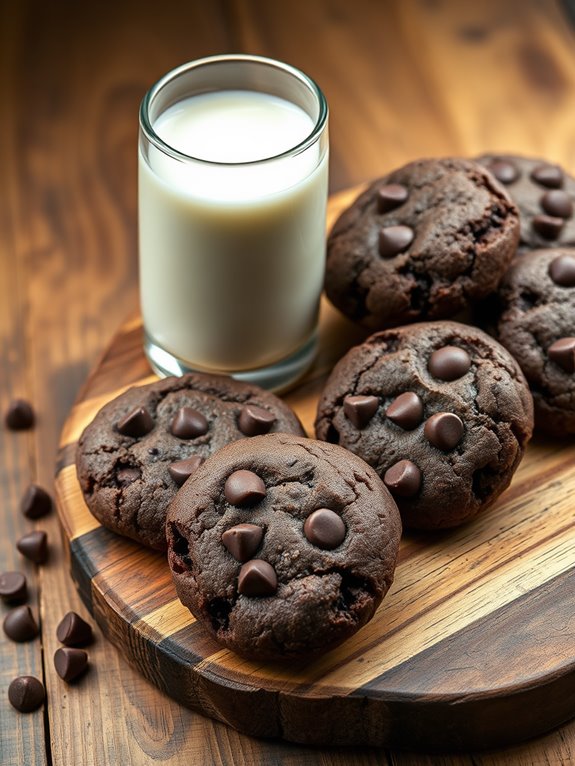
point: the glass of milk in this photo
(233, 171)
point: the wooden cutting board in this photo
(473, 646)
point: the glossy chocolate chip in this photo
(127, 475)
(394, 240)
(506, 172)
(36, 502)
(72, 630)
(34, 546)
(243, 540)
(181, 470)
(403, 479)
(254, 421)
(13, 587)
(557, 203)
(548, 175)
(70, 663)
(325, 529)
(562, 270)
(406, 410)
(20, 625)
(244, 488)
(547, 226)
(26, 693)
(189, 423)
(562, 352)
(391, 196)
(444, 430)
(359, 410)
(136, 423)
(449, 363)
(257, 578)
(20, 415)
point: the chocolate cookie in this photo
(420, 244)
(282, 546)
(440, 410)
(544, 194)
(142, 446)
(537, 325)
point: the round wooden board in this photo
(472, 647)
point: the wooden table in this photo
(404, 79)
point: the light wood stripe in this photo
(78, 521)
(165, 621)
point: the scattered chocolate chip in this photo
(391, 196)
(449, 363)
(34, 546)
(548, 175)
(257, 578)
(13, 588)
(243, 540)
(183, 469)
(562, 352)
(20, 415)
(444, 430)
(254, 421)
(244, 488)
(70, 663)
(359, 410)
(406, 410)
(127, 475)
(325, 529)
(394, 240)
(20, 625)
(26, 693)
(189, 423)
(72, 630)
(562, 270)
(549, 227)
(557, 203)
(505, 172)
(403, 479)
(137, 423)
(36, 502)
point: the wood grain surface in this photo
(404, 79)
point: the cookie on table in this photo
(544, 194)
(439, 409)
(421, 243)
(537, 325)
(282, 546)
(142, 446)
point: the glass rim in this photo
(148, 129)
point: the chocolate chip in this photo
(359, 410)
(394, 240)
(406, 410)
(20, 415)
(562, 270)
(505, 172)
(189, 423)
(26, 693)
(70, 663)
(20, 625)
(257, 578)
(36, 502)
(244, 488)
(254, 421)
(137, 423)
(13, 588)
(243, 540)
(391, 196)
(72, 630)
(325, 529)
(549, 227)
(403, 479)
(183, 469)
(557, 203)
(34, 546)
(548, 175)
(562, 352)
(444, 430)
(449, 363)
(127, 475)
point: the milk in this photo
(231, 253)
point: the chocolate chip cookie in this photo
(544, 194)
(537, 325)
(282, 546)
(440, 410)
(142, 446)
(421, 243)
